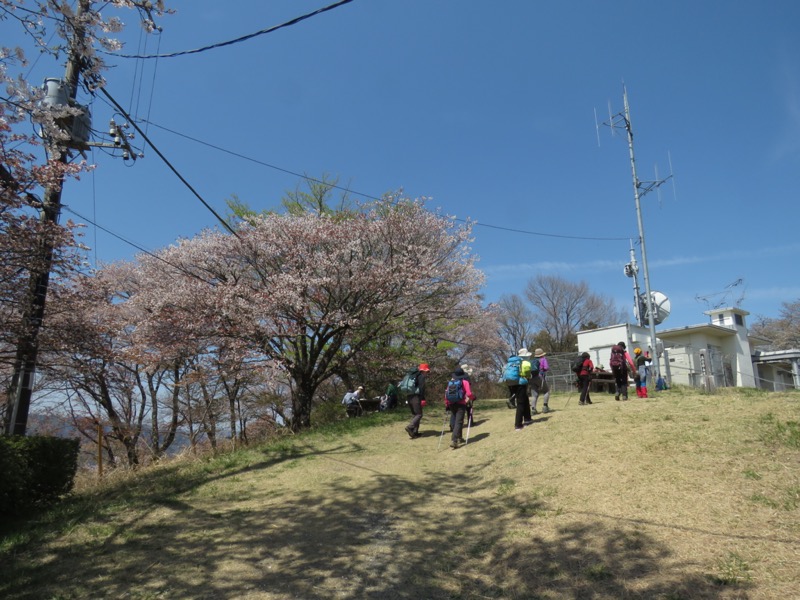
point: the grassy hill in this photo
(683, 496)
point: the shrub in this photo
(36, 470)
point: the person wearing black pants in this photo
(585, 378)
(523, 414)
(415, 402)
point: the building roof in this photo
(774, 356)
(706, 328)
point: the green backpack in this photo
(408, 384)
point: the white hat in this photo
(467, 369)
(524, 352)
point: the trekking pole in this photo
(469, 424)
(569, 396)
(439, 445)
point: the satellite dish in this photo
(661, 307)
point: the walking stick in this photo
(469, 424)
(439, 445)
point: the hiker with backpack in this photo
(515, 376)
(620, 362)
(458, 397)
(467, 372)
(539, 385)
(585, 378)
(413, 386)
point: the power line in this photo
(370, 196)
(169, 164)
(239, 39)
(135, 245)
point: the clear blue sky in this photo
(488, 109)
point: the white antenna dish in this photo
(661, 307)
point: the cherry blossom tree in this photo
(311, 292)
(105, 354)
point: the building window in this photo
(739, 320)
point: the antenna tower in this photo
(640, 188)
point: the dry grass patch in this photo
(680, 497)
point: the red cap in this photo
(424, 367)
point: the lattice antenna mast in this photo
(640, 188)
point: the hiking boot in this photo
(454, 444)
(616, 397)
(518, 428)
(545, 409)
(462, 441)
(534, 411)
(527, 422)
(411, 433)
(588, 401)
(582, 403)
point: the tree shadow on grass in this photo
(355, 539)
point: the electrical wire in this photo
(135, 245)
(371, 197)
(224, 223)
(236, 40)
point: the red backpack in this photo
(617, 356)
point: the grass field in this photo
(683, 496)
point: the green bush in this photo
(36, 470)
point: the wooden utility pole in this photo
(33, 314)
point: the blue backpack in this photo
(534, 367)
(511, 375)
(455, 392)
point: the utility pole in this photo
(637, 199)
(33, 314)
(640, 188)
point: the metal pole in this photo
(636, 196)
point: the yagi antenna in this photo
(674, 191)
(597, 127)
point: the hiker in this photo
(416, 398)
(539, 383)
(620, 362)
(351, 402)
(585, 378)
(642, 371)
(467, 372)
(522, 416)
(458, 397)
(391, 396)
(637, 380)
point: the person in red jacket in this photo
(585, 378)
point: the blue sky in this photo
(488, 109)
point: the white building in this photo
(714, 354)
